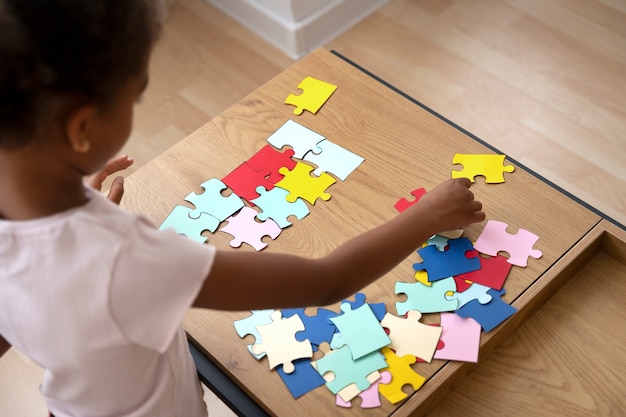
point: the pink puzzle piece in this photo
(494, 238)
(404, 204)
(370, 398)
(461, 338)
(245, 228)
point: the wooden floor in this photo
(543, 81)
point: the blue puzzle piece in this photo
(360, 330)
(334, 159)
(379, 309)
(474, 292)
(179, 219)
(317, 329)
(303, 380)
(453, 261)
(489, 315)
(426, 299)
(348, 370)
(248, 326)
(212, 202)
(275, 206)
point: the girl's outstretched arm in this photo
(250, 280)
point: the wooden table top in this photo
(404, 146)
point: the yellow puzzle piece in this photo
(489, 166)
(401, 374)
(314, 94)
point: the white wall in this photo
(298, 26)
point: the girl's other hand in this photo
(117, 186)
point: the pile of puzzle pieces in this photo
(369, 352)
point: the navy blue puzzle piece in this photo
(450, 262)
(489, 315)
(303, 379)
(317, 328)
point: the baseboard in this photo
(298, 38)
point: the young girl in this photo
(95, 295)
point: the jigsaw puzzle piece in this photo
(347, 370)
(461, 284)
(494, 238)
(268, 161)
(314, 94)
(370, 398)
(244, 228)
(422, 278)
(318, 328)
(438, 241)
(244, 181)
(490, 166)
(334, 159)
(275, 206)
(301, 139)
(379, 309)
(401, 374)
(351, 391)
(212, 202)
(181, 221)
(474, 292)
(279, 342)
(452, 261)
(360, 330)
(461, 338)
(404, 204)
(410, 337)
(426, 299)
(492, 273)
(301, 184)
(489, 315)
(248, 325)
(303, 379)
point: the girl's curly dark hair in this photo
(55, 50)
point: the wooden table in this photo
(405, 147)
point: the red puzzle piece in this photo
(243, 180)
(492, 273)
(268, 161)
(404, 204)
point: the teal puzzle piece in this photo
(426, 299)
(181, 221)
(348, 370)
(360, 330)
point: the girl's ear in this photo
(79, 126)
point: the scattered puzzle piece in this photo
(426, 299)
(314, 94)
(489, 315)
(490, 166)
(248, 326)
(474, 292)
(461, 284)
(453, 261)
(379, 309)
(301, 184)
(299, 138)
(279, 342)
(179, 219)
(212, 202)
(275, 206)
(401, 374)
(351, 391)
(359, 330)
(268, 161)
(404, 204)
(461, 338)
(438, 241)
(410, 337)
(318, 328)
(334, 159)
(422, 278)
(494, 238)
(347, 370)
(370, 398)
(244, 181)
(244, 228)
(492, 273)
(303, 379)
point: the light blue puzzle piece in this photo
(348, 370)
(474, 292)
(298, 137)
(360, 330)
(440, 242)
(334, 159)
(248, 326)
(426, 299)
(275, 206)
(212, 202)
(179, 219)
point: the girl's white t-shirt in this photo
(96, 296)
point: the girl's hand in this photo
(117, 186)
